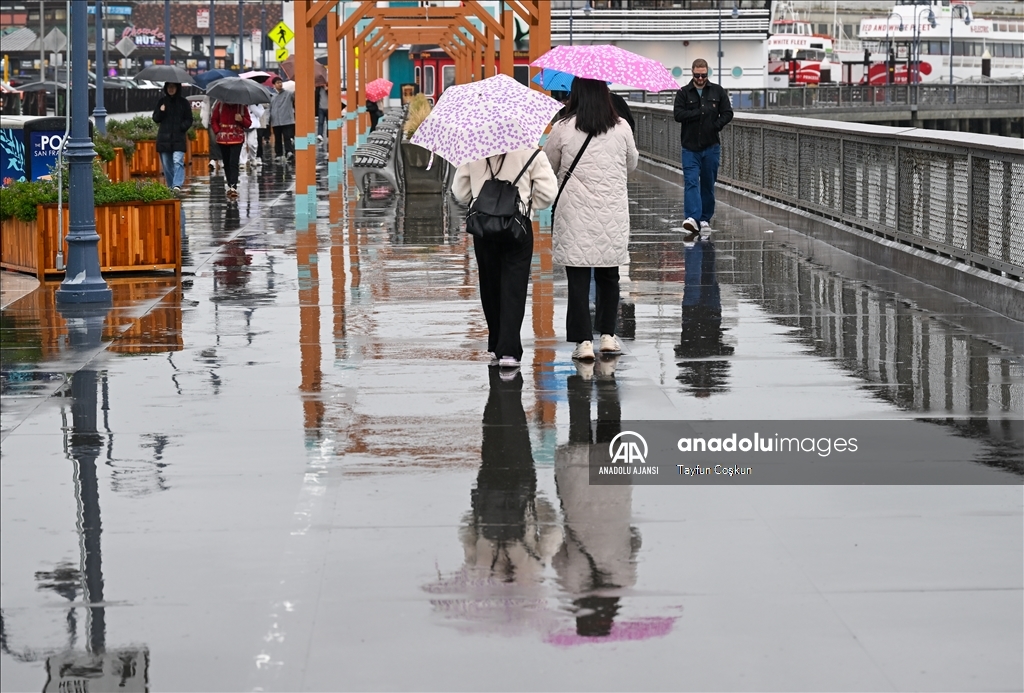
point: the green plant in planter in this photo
(19, 200)
(105, 145)
(419, 109)
(137, 128)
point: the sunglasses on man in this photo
(700, 76)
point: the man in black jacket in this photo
(174, 114)
(703, 109)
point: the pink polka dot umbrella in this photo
(609, 64)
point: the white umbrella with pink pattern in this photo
(480, 119)
(608, 64)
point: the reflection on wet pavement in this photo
(307, 470)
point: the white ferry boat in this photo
(934, 25)
(793, 52)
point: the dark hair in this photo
(591, 103)
(276, 80)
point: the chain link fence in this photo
(932, 190)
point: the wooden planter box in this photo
(117, 170)
(134, 237)
(146, 162)
(200, 146)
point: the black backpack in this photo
(497, 214)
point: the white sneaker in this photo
(610, 345)
(508, 362)
(691, 225)
(584, 351)
(492, 358)
(705, 229)
(213, 165)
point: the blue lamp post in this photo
(83, 282)
(100, 113)
(167, 32)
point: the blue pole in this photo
(213, 32)
(83, 282)
(241, 37)
(100, 113)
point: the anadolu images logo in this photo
(626, 448)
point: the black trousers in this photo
(231, 152)
(262, 136)
(284, 140)
(578, 327)
(504, 271)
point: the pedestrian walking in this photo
(503, 266)
(249, 158)
(216, 158)
(263, 136)
(592, 150)
(282, 121)
(703, 109)
(374, 110)
(322, 106)
(174, 115)
(230, 123)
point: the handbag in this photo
(228, 133)
(568, 174)
(496, 214)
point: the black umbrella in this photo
(239, 91)
(165, 73)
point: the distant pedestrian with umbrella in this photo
(230, 123)
(703, 109)
(282, 120)
(592, 151)
(174, 115)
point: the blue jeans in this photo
(174, 168)
(700, 171)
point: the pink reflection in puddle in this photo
(640, 629)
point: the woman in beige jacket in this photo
(590, 228)
(503, 267)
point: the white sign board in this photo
(203, 17)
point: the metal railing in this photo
(931, 190)
(856, 96)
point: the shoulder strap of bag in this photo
(530, 161)
(568, 174)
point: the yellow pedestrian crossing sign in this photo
(282, 34)
(281, 54)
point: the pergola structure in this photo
(383, 30)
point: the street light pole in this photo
(889, 58)
(100, 113)
(572, 6)
(83, 282)
(167, 32)
(718, 75)
(965, 14)
(213, 32)
(263, 34)
(241, 37)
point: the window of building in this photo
(428, 80)
(447, 77)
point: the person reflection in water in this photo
(509, 535)
(598, 554)
(702, 332)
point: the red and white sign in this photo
(203, 17)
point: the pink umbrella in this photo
(608, 63)
(378, 89)
(480, 119)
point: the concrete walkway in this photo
(294, 470)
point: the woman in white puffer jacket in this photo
(590, 227)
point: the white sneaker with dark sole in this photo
(691, 225)
(610, 345)
(584, 351)
(508, 362)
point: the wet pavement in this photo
(293, 469)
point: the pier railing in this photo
(933, 190)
